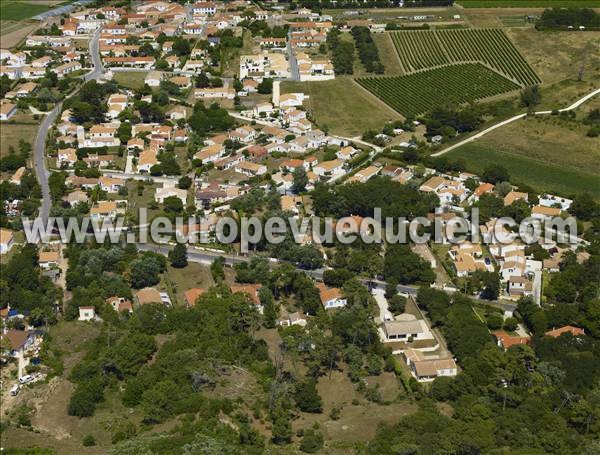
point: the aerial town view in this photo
(363, 227)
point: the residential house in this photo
(191, 296)
(406, 328)
(146, 160)
(7, 110)
(105, 210)
(67, 157)
(210, 153)
(163, 193)
(365, 174)
(87, 313)
(542, 213)
(425, 369)
(120, 304)
(215, 92)
(328, 169)
(7, 240)
(250, 169)
(346, 153)
(48, 259)
(290, 319)
(110, 185)
(331, 297)
(147, 296)
(514, 196)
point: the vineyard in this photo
(420, 92)
(425, 49)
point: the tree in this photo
(265, 87)
(531, 97)
(88, 441)
(397, 304)
(181, 47)
(143, 272)
(585, 207)
(312, 441)
(510, 324)
(405, 266)
(391, 288)
(173, 204)
(178, 256)
(307, 398)
(495, 173)
(124, 132)
(270, 312)
(300, 180)
(494, 321)
(184, 182)
(491, 285)
(217, 269)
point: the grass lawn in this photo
(342, 106)
(387, 53)
(16, 11)
(177, 281)
(10, 134)
(130, 79)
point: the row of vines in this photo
(424, 49)
(417, 93)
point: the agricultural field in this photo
(556, 56)
(528, 3)
(424, 49)
(547, 153)
(17, 10)
(420, 92)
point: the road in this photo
(207, 257)
(39, 160)
(575, 105)
(39, 148)
(294, 70)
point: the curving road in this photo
(39, 147)
(575, 105)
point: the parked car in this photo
(14, 391)
(25, 379)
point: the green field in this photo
(424, 49)
(420, 92)
(543, 176)
(529, 3)
(17, 11)
(341, 106)
(130, 79)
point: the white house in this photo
(7, 110)
(163, 193)
(7, 240)
(87, 313)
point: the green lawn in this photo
(130, 79)
(342, 106)
(387, 53)
(17, 11)
(543, 176)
